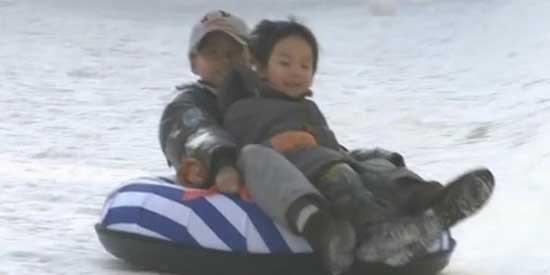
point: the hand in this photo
(228, 180)
(192, 173)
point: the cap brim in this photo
(237, 38)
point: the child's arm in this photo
(322, 132)
(189, 128)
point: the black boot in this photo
(331, 238)
(464, 196)
(460, 199)
(416, 196)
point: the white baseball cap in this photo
(218, 20)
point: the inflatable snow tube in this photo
(146, 223)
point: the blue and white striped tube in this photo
(153, 207)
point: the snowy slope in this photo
(450, 84)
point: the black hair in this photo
(267, 33)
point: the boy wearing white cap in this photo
(191, 135)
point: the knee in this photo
(254, 153)
(339, 172)
(255, 150)
(340, 168)
(251, 149)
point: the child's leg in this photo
(369, 205)
(460, 199)
(286, 195)
(273, 181)
(350, 199)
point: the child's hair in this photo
(267, 33)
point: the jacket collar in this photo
(207, 86)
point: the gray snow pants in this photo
(273, 181)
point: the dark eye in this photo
(284, 63)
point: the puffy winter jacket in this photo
(191, 127)
(254, 113)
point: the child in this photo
(190, 133)
(204, 153)
(271, 108)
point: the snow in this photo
(450, 84)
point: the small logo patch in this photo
(192, 117)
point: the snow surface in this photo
(450, 84)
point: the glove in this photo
(228, 180)
(192, 173)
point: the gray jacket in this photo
(255, 112)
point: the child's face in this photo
(290, 66)
(218, 54)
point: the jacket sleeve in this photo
(189, 127)
(324, 135)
